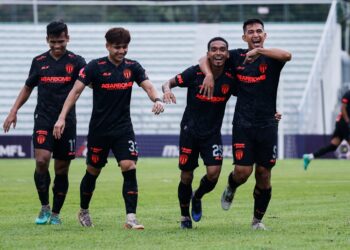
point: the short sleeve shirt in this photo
(257, 89)
(54, 79)
(203, 117)
(112, 87)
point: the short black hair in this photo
(55, 28)
(118, 36)
(217, 38)
(252, 21)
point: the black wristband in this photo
(157, 100)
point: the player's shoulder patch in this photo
(41, 57)
(71, 55)
(100, 61)
(129, 61)
(240, 52)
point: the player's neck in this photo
(114, 62)
(216, 71)
(57, 57)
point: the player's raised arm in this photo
(168, 96)
(208, 82)
(12, 116)
(153, 95)
(68, 104)
(278, 54)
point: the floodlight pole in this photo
(35, 12)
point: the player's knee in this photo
(42, 164)
(241, 176)
(93, 171)
(213, 173)
(263, 177)
(127, 165)
(186, 177)
(213, 177)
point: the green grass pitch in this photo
(309, 210)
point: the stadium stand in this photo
(164, 50)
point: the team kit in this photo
(250, 75)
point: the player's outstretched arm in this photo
(153, 95)
(168, 96)
(207, 88)
(278, 54)
(68, 104)
(20, 100)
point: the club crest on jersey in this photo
(239, 154)
(95, 158)
(127, 73)
(262, 68)
(183, 159)
(69, 68)
(41, 138)
(225, 88)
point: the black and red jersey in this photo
(112, 86)
(345, 100)
(203, 116)
(54, 79)
(257, 89)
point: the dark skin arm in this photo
(208, 82)
(168, 96)
(12, 116)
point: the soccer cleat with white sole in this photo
(84, 218)
(227, 198)
(132, 223)
(258, 225)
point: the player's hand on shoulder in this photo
(10, 119)
(158, 106)
(207, 87)
(169, 97)
(59, 128)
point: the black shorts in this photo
(341, 130)
(124, 147)
(255, 145)
(62, 149)
(210, 149)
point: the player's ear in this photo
(244, 38)
(67, 36)
(47, 39)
